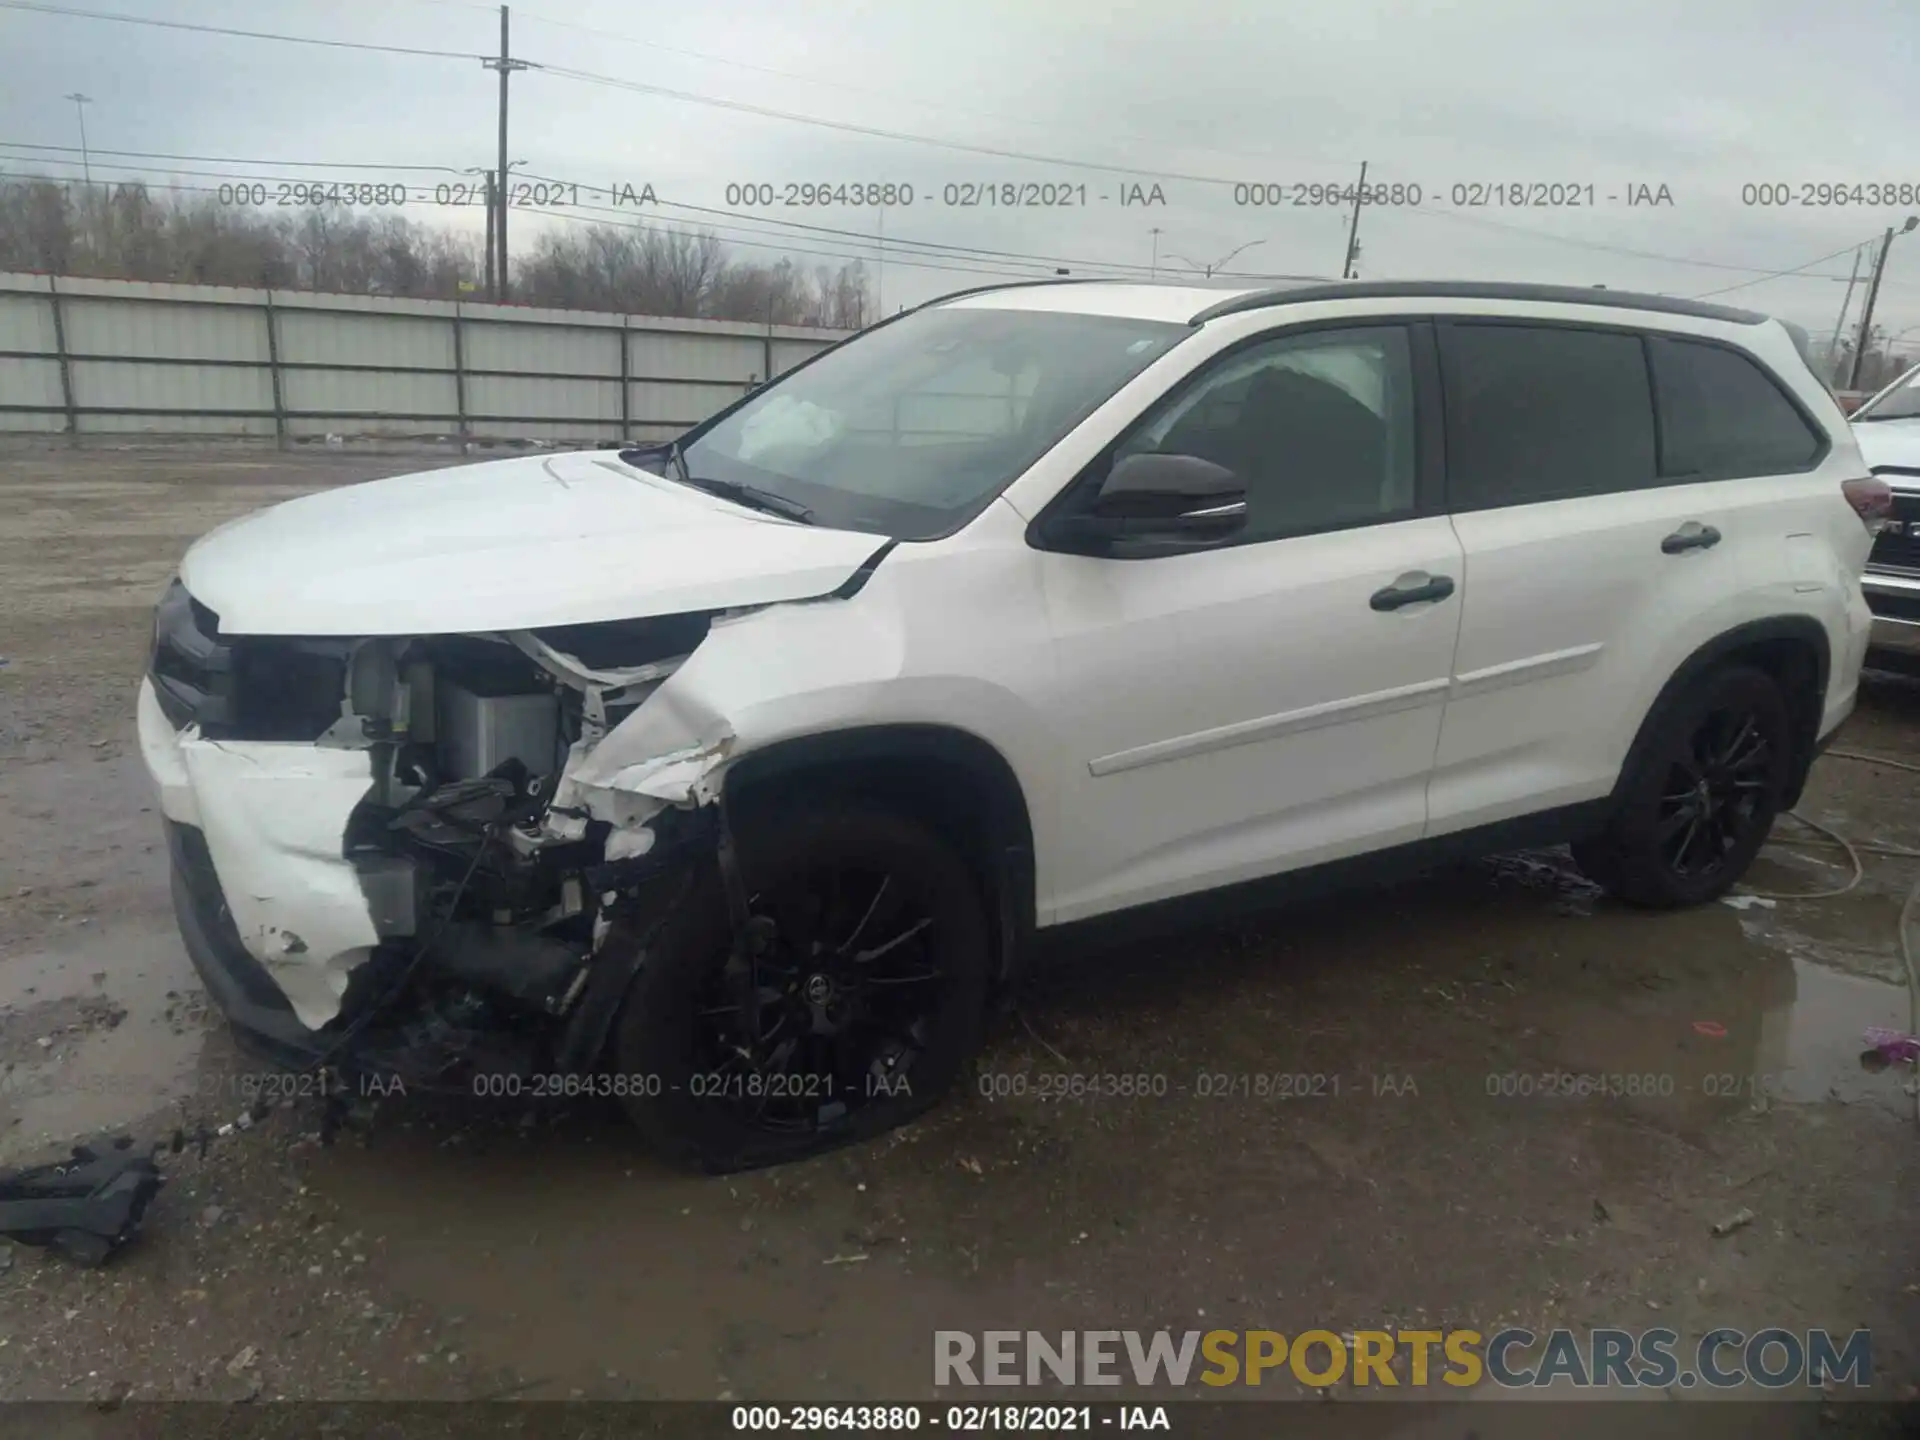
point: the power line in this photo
(828, 230)
(895, 96)
(690, 97)
(1009, 264)
(227, 159)
(796, 250)
(1782, 274)
(879, 132)
(1760, 275)
(33, 6)
(773, 225)
(1026, 270)
(1596, 245)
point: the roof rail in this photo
(1017, 285)
(1477, 290)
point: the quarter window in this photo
(1537, 412)
(1319, 427)
(1721, 416)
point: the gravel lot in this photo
(458, 1250)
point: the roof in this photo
(1196, 304)
(1126, 299)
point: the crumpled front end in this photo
(406, 842)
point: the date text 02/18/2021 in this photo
(951, 1419)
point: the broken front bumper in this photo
(238, 983)
(273, 914)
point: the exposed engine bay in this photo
(494, 876)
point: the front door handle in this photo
(1690, 536)
(1438, 587)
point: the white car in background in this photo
(737, 777)
(1887, 428)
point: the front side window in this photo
(911, 429)
(1319, 427)
(1539, 412)
(1721, 417)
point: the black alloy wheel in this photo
(848, 1005)
(1700, 795)
(1715, 792)
(832, 1002)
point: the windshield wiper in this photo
(738, 491)
(742, 493)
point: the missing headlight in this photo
(624, 644)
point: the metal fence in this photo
(119, 357)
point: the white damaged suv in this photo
(738, 777)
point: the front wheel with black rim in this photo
(1701, 795)
(845, 1006)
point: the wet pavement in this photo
(1488, 1096)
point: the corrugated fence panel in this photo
(30, 382)
(314, 337)
(510, 398)
(653, 354)
(364, 392)
(26, 323)
(147, 424)
(144, 329)
(789, 353)
(563, 432)
(315, 426)
(175, 389)
(490, 345)
(199, 360)
(654, 400)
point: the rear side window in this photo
(1544, 412)
(1722, 416)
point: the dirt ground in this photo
(447, 1251)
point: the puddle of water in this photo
(1812, 1045)
(1775, 1033)
(104, 1073)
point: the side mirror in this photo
(1161, 501)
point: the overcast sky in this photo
(1701, 97)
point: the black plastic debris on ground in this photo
(85, 1207)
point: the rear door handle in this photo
(1438, 587)
(1690, 536)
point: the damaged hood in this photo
(506, 545)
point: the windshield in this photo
(912, 428)
(1900, 401)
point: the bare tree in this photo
(128, 232)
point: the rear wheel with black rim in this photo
(1702, 795)
(849, 1006)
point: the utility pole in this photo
(1353, 230)
(80, 103)
(1840, 325)
(1153, 269)
(880, 285)
(506, 65)
(1873, 294)
(492, 293)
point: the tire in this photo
(1703, 790)
(802, 1090)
